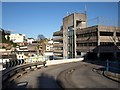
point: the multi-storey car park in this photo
(75, 39)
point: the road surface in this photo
(71, 75)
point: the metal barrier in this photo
(9, 72)
(13, 63)
(113, 66)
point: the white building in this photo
(6, 55)
(48, 54)
(49, 46)
(17, 38)
(21, 52)
(30, 40)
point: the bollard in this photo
(107, 66)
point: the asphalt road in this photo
(71, 75)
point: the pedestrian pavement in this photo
(108, 74)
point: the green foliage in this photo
(14, 44)
(3, 47)
(4, 40)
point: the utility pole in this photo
(86, 14)
(98, 19)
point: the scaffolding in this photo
(102, 21)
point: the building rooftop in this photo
(100, 27)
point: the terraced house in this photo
(75, 39)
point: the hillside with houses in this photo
(18, 47)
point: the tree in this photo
(6, 40)
(4, 32)
(41, 37)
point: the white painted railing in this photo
(55, 62)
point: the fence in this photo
(20, 70)
(113, 66)
(102, 21)
(12, 63)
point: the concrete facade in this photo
(75, 39)
(66, 37)
(99, 41)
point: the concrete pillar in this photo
(74, 19)
(65, 42)
(98, 35)
(114, 37)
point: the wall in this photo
(55, 62)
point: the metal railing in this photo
(13, 63)
(12, 71)
(113, 66)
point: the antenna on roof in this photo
(86, 14)
(85, 9)
(67, 13)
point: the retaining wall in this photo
(55, 62)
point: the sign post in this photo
(107, 67)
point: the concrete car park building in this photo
(75, 39)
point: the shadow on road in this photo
(44, 81)
(96, 62)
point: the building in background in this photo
(6, 56)
(65, 39)
(75, 39)
(16, 38)
(98, 42)
(48, 49)
(30, 40)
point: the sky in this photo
(33, 18)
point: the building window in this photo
(106, 44)
(87, 44)
(118, 44)
(87, 34)
(78, 53)
(117, 33)
(106, 33)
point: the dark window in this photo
(118, 44)
(87, 35)
(85, 44)
(106, 44)
(78, 53)
(94, 34)
(106, 33)
(90, 44)
(118, 54)
(117, 33)
(78, 23)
